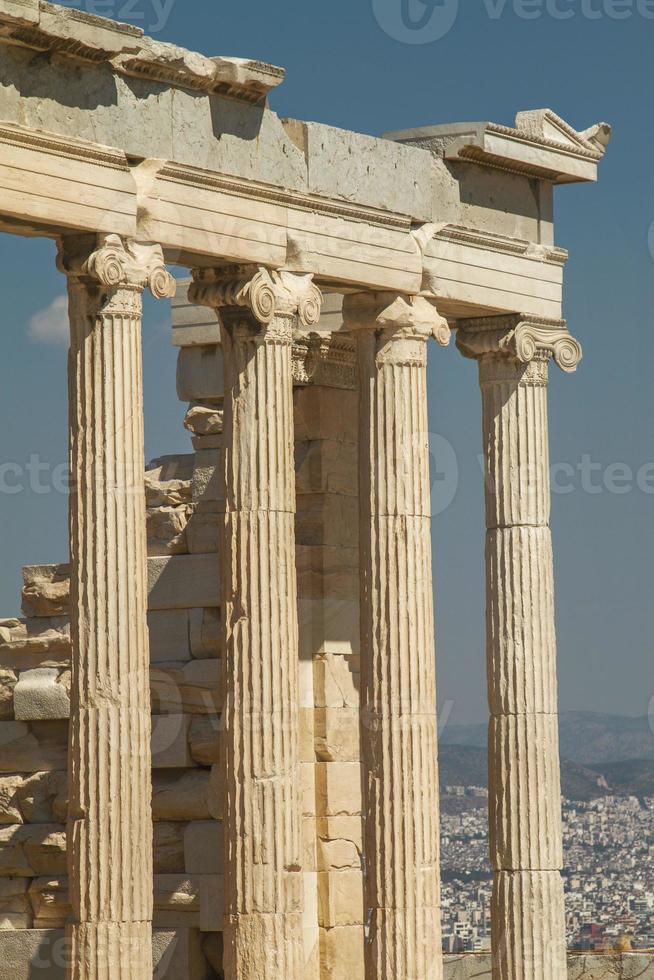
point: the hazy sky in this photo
(355, 64)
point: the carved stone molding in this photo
(268, 294)
(399, 317)
(520, 339)
(117, 264)
(325, 359)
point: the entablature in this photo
(541, 145)
(214, 179)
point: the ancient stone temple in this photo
(218, 732)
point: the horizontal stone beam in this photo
(204, 216)
(179, 795)
(174, 582)
(178, 741)
(176, 636)
(177, 689)
(38, 851)
(180, 900)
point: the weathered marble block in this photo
(180, 900)
(30, 850)
(42, 746)
(188, 688)
(36, 799)
(167, 530)
(174, 582)
(186, 795)
(46, 590)
(15, 908)
(42, 694)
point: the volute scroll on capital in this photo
(115, 263)
(397, 316)
(521, 339)
(268, 294)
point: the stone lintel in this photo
(52, 28)
(174, 582)
(345, 245)
(540, 145)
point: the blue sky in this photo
(589, 60)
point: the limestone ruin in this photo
(230, 735)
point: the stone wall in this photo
(185, 684)
(328, 600)
(183, 497)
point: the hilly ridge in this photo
(465, 765)
(600, 754)
(586, 737)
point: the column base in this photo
(262, 946)
(120, 950)
(528, 926)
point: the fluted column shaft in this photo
(263, 879)
(398, 673)
(110, 818)
(528, 915)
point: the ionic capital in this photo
(268, 294)
(519, 338)
(397, 316)
(114, 263)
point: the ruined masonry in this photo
(218, 750)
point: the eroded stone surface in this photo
(41, 694)
(186, 135)
(528, 914)
(46, 590)
(398, 712)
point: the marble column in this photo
(259, 311)
(110, 812)
(528, 918)
(398, 671)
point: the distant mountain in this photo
(591, 738)
(474, 736)
(633, 777)
(587, 738)
(465, 765)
